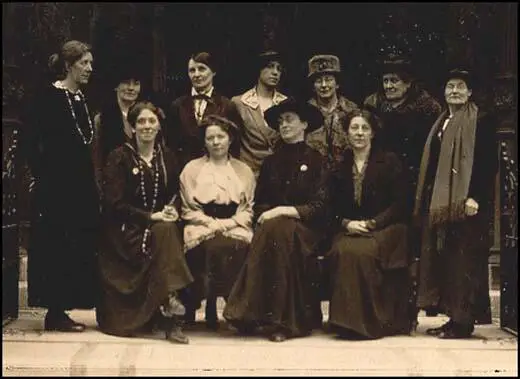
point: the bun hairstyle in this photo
(205, 58)
(70, 52)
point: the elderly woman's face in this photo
(291, 127)
(394, 86)
(201, 75)
(457, 92)
(217, 141)
(81, 70)
(128, 90)
(146, 126)
(325, 86)
(359, 133)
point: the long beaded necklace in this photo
(80, 97)
(145, 248)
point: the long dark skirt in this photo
(132, 293)
(62, 269)
(365, 298)
(271, 288)
(452, 270)
(215, 265)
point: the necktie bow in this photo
(202, 97)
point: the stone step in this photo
(494, 277)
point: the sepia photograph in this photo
(260, 189)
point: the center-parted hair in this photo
(227, 126)
(371, 117)
(136, 109)
(134, 112)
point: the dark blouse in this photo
(53, 142)
(123, 197)
(381, 197)
(294, 175)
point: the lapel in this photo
(212, 107)
(188, 114)
(375, 169)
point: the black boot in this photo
(61, 322)
(173, 331)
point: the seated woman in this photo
(217, 208)
(272, 289)
(141, 259)
(368, 257)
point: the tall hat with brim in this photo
(267, 56)
(304, 110)
(460, 73)
(323, 64)
(126, 72)
(397, 64)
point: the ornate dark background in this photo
(160, 38)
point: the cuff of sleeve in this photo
(303, 211)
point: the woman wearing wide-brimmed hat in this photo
(290, 200)
(258, 140)
(454, 205)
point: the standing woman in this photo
(217, 207)
(112, 126)
(141, 261)
(369, 254)
(57, 137)
(290, 199)
(454, 204)
(258, 140)
(186, 112)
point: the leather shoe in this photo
(176, 335)
(278, 336)
(62, 323)
(437, 331)
(451, 333)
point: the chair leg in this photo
(211, 312)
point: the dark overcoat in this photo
(65, 214)
(453, 270)
(405, 129)
(382, 200)
(182, 132)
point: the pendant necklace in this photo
(145, 248)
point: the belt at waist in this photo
(220, 210)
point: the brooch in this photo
(135, 171)
(304, 167)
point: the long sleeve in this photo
(30, 135)
(115, 184)
(316, 208)
(97, 155)
(263, 198)
(397, 192)
(190, 209)
(485, 163)
(244, 214)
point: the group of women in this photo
(177, 217)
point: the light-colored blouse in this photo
(201, 182)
